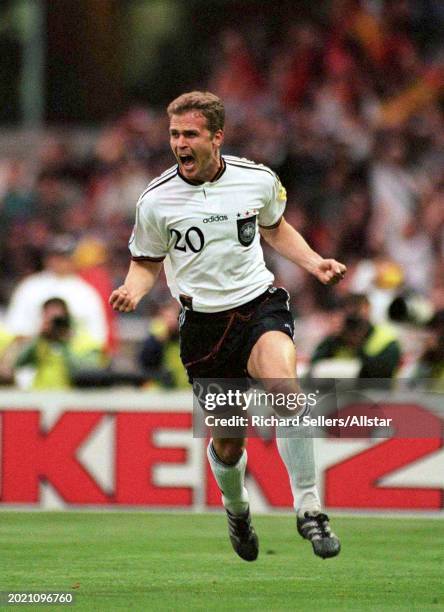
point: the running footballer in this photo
(204, 218)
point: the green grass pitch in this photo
(144, 561)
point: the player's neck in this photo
(214, 171)
(219, 170)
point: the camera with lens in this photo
(58, 328)
(354, 330)
(410, 308)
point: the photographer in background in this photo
(375, 346)
(429, 370)
(59, 352)
(58, 278)
(159, 357)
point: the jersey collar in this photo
(216, 177)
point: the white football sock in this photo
(230, 479)
(296, 451)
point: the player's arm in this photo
(290, 244)
(138, 282)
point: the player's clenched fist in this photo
(121, 300)
(330, 271)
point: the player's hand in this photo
(121, 300)
(329, 271)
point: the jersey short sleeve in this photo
(271, 214)
(147, 242)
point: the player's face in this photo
(197, 150)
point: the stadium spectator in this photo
(23, 316)
(53, 197)
(117, 191)
(16, 200)
(350, 228)
(376, 346)
(429, 371)
(413, 250)
(381, 280)
(90, 258)
(298, 58)
(7, 341)
(236, 75)
(59, 352)
(394, 192)
(159, 356)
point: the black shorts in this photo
(218, 345)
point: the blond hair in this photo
(208, 104)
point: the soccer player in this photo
(206, 215)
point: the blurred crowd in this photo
(350, 114)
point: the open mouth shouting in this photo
(187, 162)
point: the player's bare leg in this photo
(273, 361)
(228, 460)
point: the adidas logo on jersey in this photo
(215, 218)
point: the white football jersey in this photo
(209, 233)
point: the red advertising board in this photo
(131, 449)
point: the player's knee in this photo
(282, 386)
(286, 393)
(229, 450)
